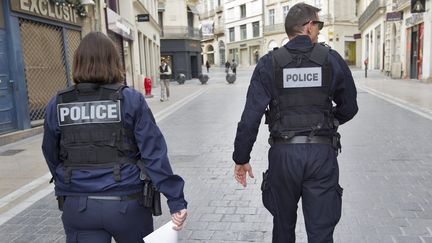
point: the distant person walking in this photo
(227, 66)
(165, 76)
(234, 67)
(208, 66)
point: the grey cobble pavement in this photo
(385, 169)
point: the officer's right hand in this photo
(240, 173)
(179, 218)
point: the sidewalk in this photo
(411, 94)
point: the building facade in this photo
(340, 25)
(181, 37)
(372, 27)
(38, 39)
(213, 30)
(396, 36)
(244, 31)
(146, 48)
(274, 13)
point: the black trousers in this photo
(97, 221)
(309, 171)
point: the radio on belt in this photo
(104, 111)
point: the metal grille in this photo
(118, 41)
(44, 64)
(73, 41)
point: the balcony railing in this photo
(181, 32)
(275, 28)
(399, 4)
(219, 29)
(370, 11)
(207, 14)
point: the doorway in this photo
(414, 52)
(194, 66)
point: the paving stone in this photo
(251, 236)
(211, 217)
(407, 239)
(201, 235)
(250, 211)
(224, 235)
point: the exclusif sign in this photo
(46, 9)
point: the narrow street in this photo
(385, 170)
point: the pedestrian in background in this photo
(234, 67)
(227, 66)
(165, 77)
(303, 127)
(208, 66)
(99, 138)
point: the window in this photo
(243, 11)
(255, 29)
(285, 11)
(113, 5)
(231, 34)
(242, 32)
(271, 17)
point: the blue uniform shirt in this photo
(260, 94)
(136, 116)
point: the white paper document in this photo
(165, 234)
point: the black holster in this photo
(151, 197)
(60, 202)
(337, 143)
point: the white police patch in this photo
(302, 77)
(103, 111)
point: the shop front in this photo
(39, 39)
(245, 53)
(414, 40)
(121, 32)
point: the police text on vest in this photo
(104, 111)
(302, 77)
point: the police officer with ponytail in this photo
(306, 91)
(102, 146)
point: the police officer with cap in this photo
(306, 91)
(102, 144)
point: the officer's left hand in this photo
(178, 219)
(240, 173)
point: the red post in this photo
(147, 87)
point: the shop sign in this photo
(394, 16)
(47, 9)
(143, 17)
(414, 19)
(119, 25)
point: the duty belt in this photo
(302, 139)
(135, 196)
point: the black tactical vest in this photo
(92, 131)
(163, 71)
(303, 95)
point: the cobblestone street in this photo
(385, 170)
